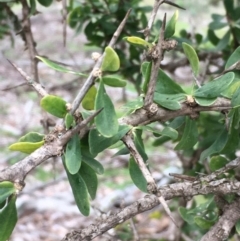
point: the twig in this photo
(140, 116)
(30, 82)
(30, 43)
(90, 80)
(152, 17)
(231, 165)
(149, 202)
(135, 232)
(77, 128)
(151, 185)
(13, 87)
(155, 66)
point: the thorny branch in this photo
(151, 184)
(157, 54)
(91, 78)
(38, 87)
(189, 188)
(30, 43)
(157, 4)
(54, 146)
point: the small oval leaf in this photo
(217, 162)
(54, 105)
(69, 120)
(138, 42)
(73, 156)
(89, 99)
(170, 28)
(45, 3)
(111, 60)
(192, 57)
(203, 223)
(57, 66)
(137, 176)
(106, 121)
(90, 178)
(204, 101)
(8, 219)
(215, 87)
(189, 137)
(216, 146)
(6, 189)
(32, 137)
(26, 147)
(234, 58)
(98, 142)
(79, 190)
(114, 81)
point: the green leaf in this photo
(161, 140)
(189, 137)
(54, 105)
(147, 75)
(137, 133)
(213, 37)
(26, 147)
(186, 215)
(222, 44)
(169, 101)
(114, 81)
(215, 87)
(98, 142)
(106, 121)
(57, 66)
(90, 178)
(123, 151)
(217, 25)
(80, 191)
(228, 93)
(234, 58)
(217, 162)
(8, 218)
(203, 223)
(6, 189)
(237, 226)
(235, 102)
(69, 120)
(32, 137)
(89, 99)
(233, 139)
(73, 156)
(45, 3)
(137, 176)
(138, 42)
(74, 16)
(90, 161)
(94, 164)
(216, 147)
(192, 57)
(170, 28)
(177, 122)
(134, 105)
(166, 85)
(204, 101)
(170, 132)
(32, 7)
(111, 60)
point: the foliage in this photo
(210, 137)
